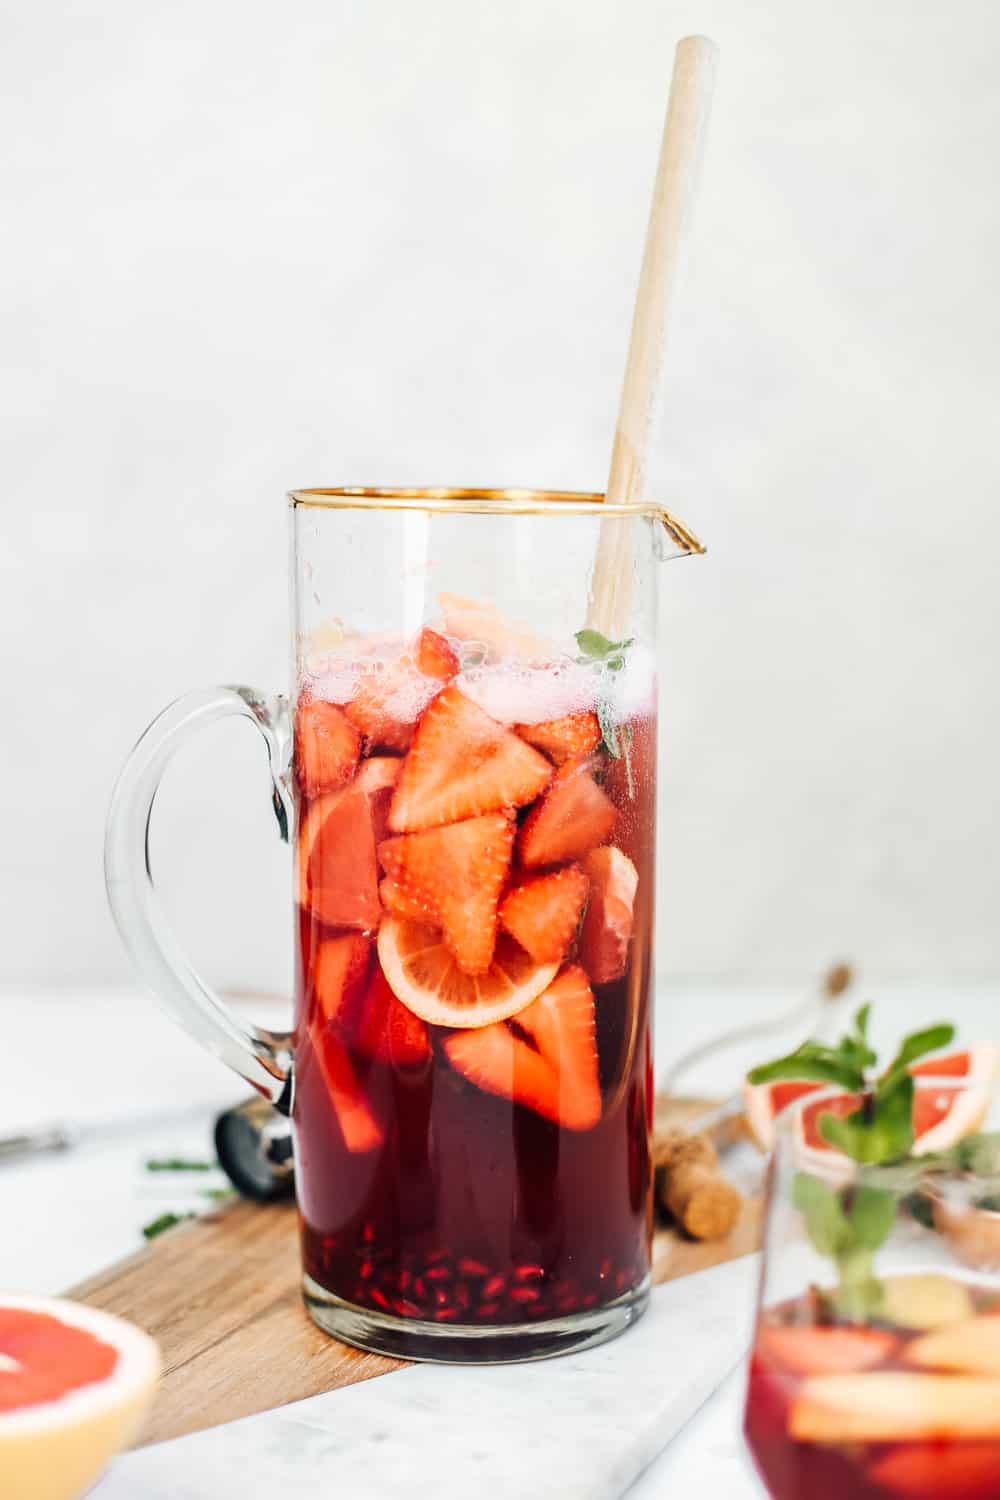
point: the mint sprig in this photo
(849, 1222)
(596, 648)
(598, 651)
(881, 1128)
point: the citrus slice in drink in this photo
(894, 1406)
(75, 1385)
(423, 974)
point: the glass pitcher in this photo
(467, 771)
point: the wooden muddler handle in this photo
(677, 177)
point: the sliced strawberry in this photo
(327, 747)
(385, 708)
(543, 912)
(573, 817)
(554, 1072)
(607, 927)
(463, 764)
(563, 739)
(377, 778)
(396, 900)
(358, 1125)
(808, 1349)
(339, 972)
(388, 1030)
(455, 875)
(435, 658)
(338, 875)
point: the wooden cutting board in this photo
(221, 1295)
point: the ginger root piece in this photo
(690, 1186)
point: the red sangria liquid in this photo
(907, 1408)
(473, 1095)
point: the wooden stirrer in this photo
(677, 178)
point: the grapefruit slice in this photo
(423, 974)
(941, 1115)
(75, 1385)
(894, 1406)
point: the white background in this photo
(252, 246)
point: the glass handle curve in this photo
(260, 1056)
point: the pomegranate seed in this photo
(590, 1300)
(536, 1310)
(438, 1273)
(469, 1267)
(368, 1233)
(446, 1315)
(488, 1309)
(566, 1305)
(420, 1289)
(524, 1294)
(441, 1296)
(494, 1287)
(406, 1308)
(605, 1270)
(621, 1281)
(367, 1267)
(403, 1280)
(462, 1296)
(379, 1298)
(435, 1257)
(529, 1273)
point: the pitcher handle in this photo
(262, 1057)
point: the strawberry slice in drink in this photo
(388, 1030)
(573, 817)
(327, 746)
(337, 870)
(546, 1060)
(454, 875)
(567, 738)
(939, 1471)
(463, 764)
(358, 1126)
(607, 927)
(339, 976)
(543, 912)
(377, 779)
(435, 658)
(808, 1349)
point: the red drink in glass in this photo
(456, 1169)
(881, 1410)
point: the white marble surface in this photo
(583, 1426)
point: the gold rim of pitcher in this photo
(515, 502)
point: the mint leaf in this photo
(880, 1130)
(597, 647)
(932, 1039)
(164, 1222)
(819, 1205)
(813, 1062)
(179, 1164)
(872, 1215)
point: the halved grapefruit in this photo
(422, 973)
(941, 1115)
(75, 1385)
